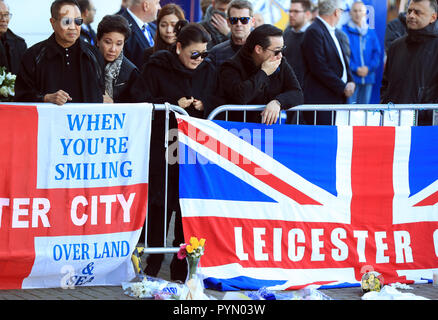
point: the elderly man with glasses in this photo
(62, 68)
(12, 47)
(259, 75)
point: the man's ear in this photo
(434, 17)
(258, 49)
(178, 48)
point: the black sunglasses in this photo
(195, 55)
(278, 51)
(243, 20)
(66, 21)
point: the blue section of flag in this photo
(205, 180)
(423, 163)
(311, 154)
(237, 283)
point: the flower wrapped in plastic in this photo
(7, 85)
(372, 281)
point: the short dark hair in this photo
(113, 23)
(260, 36)
(83, 5)
(187, 33)
(433, 4)
(306, 4)
(240, 4)
(57, 4)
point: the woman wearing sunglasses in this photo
(182, 77)
(165, 37)
(120, 73)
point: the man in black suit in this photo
(88, 11)
(140, 15)
(328, 79)
(12, 47)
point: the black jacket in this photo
(12, 48)
(128, 76)
(165, 79)
(242, 82)
(395, 29)
(323, 80)
(40, 74)
(410, 75)
(223, 51)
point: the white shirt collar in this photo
(329, 27)
(137, 20)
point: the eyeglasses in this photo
(196, 54)
(278, 51)
(243, 20)
(6, 16)
(66, 21)
(296, 11)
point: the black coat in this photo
(223, 51)
(40, 72)
(165, 79)
(395, 29)
(12, 48)
(128, 76)
(323, 81)
(242, 82)
(410, 74)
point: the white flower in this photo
(11, 76)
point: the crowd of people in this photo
(149, 53)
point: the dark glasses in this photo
(243, 20)
(66, 21)
(195, 55)
(278, 51)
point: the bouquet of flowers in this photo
(7, 85)
(192, 252)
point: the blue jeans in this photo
(362, 94)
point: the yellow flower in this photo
(189, 249)
(202, 242)
(194, 242)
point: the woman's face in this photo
(166, 28)
(192, 55)
(111, 45)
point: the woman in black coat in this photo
(182, 77)
(120, 73)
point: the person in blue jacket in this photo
(365, 53)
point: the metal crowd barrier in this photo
(349, 109)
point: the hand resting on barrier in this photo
(271, 113)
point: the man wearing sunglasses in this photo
(259, 75)
(241, 22)
(12, 47)
(62, 68)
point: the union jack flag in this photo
(291, 206)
